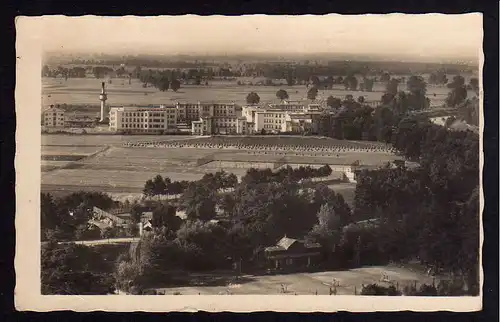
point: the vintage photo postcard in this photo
(249, 163)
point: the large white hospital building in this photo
(216, 118)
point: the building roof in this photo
(54, 109)
(285, 243)
(363, 224)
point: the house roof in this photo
(363, 224)
(285, 243)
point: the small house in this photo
(291, 254)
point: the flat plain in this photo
(101, 162)
(121, 93)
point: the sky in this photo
(420, 36)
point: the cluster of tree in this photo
(452, 287)
(303, 72)
(256, 214)
(474, 85)
(438, 78)
(67, 218)
(164, 186)
(432, 212)
(469, 112)
(458, 93)
(162, 80)
(358, 122)
(74, 270)
(101, 71)
(74, 72)
(254, 176)
(253, 98)
(282, 94)
(194, 246)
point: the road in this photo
(103, 241)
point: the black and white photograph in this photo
(333, 162)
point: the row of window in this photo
(272, 121)
(140, 126)
(275, 115)
(272, 127)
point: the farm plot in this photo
(98, 140)
(122, 180)
(69, 150)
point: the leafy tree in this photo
(314, 80)
(392, 87)
(166, 216)
(253, 98)
(282, 94)
(73, 270)
(163, 84)
(86, 232)
(374, 289)
(149, 188)
(416, 85)
(367, 85)
(474, 83)
(386, 77)
(109, 232)
(333, 102)
(199, 202)
(417, 90)
(159, 185)
(351, 82)
(458, 92)
(312, 93)
(136, 213)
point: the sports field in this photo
(120, 92)
(348, 282)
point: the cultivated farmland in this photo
(88, 162)
(120, 92)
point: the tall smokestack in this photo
(103, 97)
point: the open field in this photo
(301, 283)
(101, 140)
(86, 91)
(276, 141)
(104, 165)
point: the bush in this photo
(374, 289)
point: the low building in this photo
(53, 117)
(292, 254)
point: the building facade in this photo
(216, 118)
(292, 254)
(143, 119)
(221, 125)
(54, 117)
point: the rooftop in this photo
(285, 243)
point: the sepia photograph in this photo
(246, 163)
